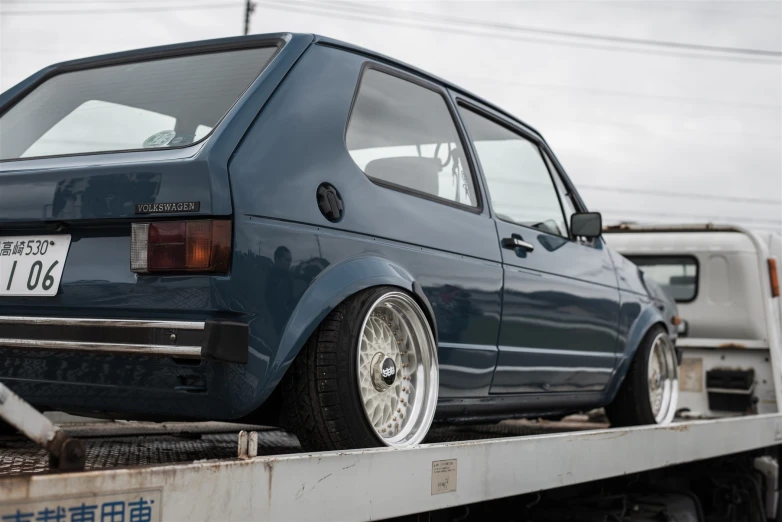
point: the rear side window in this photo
(162, 103)
(678, 275)
(403, 134)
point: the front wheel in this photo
(650, 391)
(367, 377)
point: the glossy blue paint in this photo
(559, 317)
(638, 314)
(643, 305)
(457, 266)
(466, 370)
(293, 274)
(562, 323)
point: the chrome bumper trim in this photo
(214, 339)
(183, 352)
(112, 323)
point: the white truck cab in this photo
(725, 280)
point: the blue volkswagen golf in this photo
(292, 230)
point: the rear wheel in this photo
(650, 391)
(367, 377)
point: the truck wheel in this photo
(650, 391)
(367, 377)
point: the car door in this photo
(560, 310)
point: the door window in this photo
(403, 134)
(518, 180)
(565, 197)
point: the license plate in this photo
(32, 265)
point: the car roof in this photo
(403, 65)
(240, 41)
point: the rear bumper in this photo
(215, 340)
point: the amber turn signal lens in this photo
(676, 320)
(181, 246)
(774, 275)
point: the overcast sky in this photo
(635, 98)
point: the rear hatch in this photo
(86, 153)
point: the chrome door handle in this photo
(514, 242)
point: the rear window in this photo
(678, 275)
(170, 102)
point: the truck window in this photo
(678, 275)
(168, 102)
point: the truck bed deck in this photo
(124, 444)
(192, 472)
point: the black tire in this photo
(632, 405)
(321, 403)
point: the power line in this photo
(188, 7)
(345, 15)
(568, 34)
(418, 22)
(635, 124)
(607, 92)
(116, 3)
(671, 194)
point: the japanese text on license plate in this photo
(32, 265)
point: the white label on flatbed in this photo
(443, 476)
(32, 265)
(129, 506)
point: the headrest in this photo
(414, 172)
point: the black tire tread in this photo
(320, 403)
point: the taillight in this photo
(774, 275)
(181, 246)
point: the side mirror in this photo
(586, 224)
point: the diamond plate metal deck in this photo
(126, 444)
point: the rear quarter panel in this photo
(295, 266)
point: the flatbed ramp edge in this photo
(380, 483)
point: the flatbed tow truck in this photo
(137, 471)
(193, 471)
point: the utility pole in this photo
(249, 7)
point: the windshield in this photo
(169, 102)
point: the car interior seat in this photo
(415, 172)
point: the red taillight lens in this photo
(181, 246)
(774, 275)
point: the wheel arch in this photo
(649, 317)
(331, 288)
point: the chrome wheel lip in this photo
(663, 377)
(427, 387)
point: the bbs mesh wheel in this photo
(367, 377)
(650, 391)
